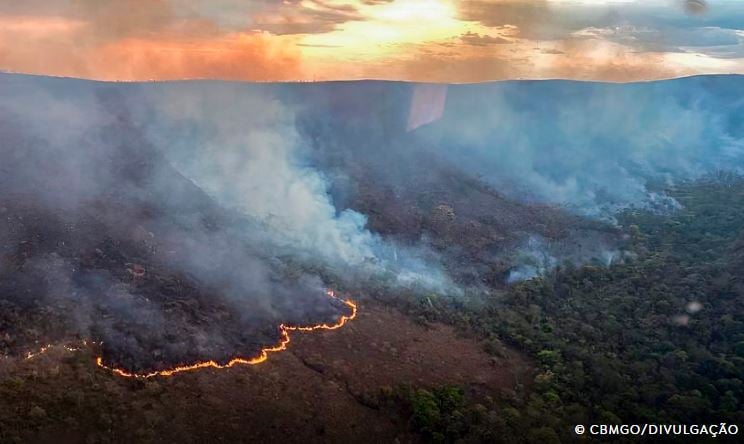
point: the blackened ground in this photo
(328, 387)
(76, 278)
(118, 247)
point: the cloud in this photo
(530, 19)
(236, 56)
(466, 40)
(543, 20)
(583, 59)
(308, 17)
(241, 56)
(472, 38)
(495, 13)
(136, 40)
(617, 41)
(109, 19)
(163, 39)
(647, 39)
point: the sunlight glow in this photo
(388, 26)
(415, 10)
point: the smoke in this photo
(176, 222)
(593, 148)
(532, 260)
(241, 145)
(184, 221)
(538, 256)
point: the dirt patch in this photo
(384, 348)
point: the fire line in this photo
(261, 357)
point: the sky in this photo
(453, 41)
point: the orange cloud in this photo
(67, 49)
(457, 41)
(39, 27)
(240, 56)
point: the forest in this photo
(656, 339)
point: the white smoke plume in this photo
(240, 144)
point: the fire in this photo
(48, 347)
(42, 350)
(261, 357)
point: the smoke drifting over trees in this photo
(186, 220)
(595, 148)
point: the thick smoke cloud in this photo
(241, 145)
(102, 229)
(175, 222)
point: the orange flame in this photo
(262, 356)
(48, 347)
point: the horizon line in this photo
(363, 80)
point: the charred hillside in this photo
(99, 237)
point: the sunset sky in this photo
(421, 40)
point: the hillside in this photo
(521, 254)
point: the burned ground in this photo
(326, 388)
(111, 261)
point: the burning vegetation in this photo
(262, 356)
(153, 230)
